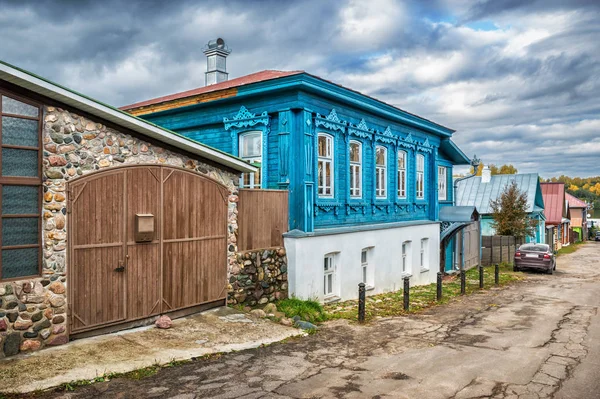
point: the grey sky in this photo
(518, 80)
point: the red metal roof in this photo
(575, 202)
(241, 81)
(554, 202)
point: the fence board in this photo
(262, 218)
(498, 249)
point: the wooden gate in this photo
(468, 245)
(112, 278)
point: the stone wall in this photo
(258, 277)
(33, 312)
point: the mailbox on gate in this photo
(144, 227)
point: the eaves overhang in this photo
(310, 83)
(56, 92)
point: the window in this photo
(424, 261)
(20, 185)
(325, 165)
(355, 169)
(380, 172)
(442, 183)
(406, 257)
(364, 264)
(251, 151)
(328, 275)
(401, 174)
(366, 267)
(420, 176)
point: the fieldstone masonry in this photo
(258, 277)
(33, 312)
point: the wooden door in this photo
(194, 226)
(97, 238)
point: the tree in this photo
(510, 213)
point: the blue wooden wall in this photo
(290, 121)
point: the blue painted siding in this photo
(204, 122)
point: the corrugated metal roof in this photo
(554, 198)
(475, 193)
(575, 202)
(458, 213)
(241, 81)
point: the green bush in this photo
(308, 310)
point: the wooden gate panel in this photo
(97, 293)
(195, 240)
(143, 259)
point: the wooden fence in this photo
(498, 249)
(262, 218)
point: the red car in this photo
(535, 256)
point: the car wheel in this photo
(550, 270)
(516, 269)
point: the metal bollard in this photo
(406, 293)
(361, 302)
(463, 282)
(439, 286)
(497, 274)
(480, 276)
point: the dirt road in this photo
(536, 339)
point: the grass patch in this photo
(308, 310)
(570, 249)
(421, 297)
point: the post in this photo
(480, 276)
(361, 302)
(501, 249)
(463, 282)
(497, 274)
(406, 293)
(439, 286)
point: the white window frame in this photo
(424, 258)
(323, 161)
(420, 176)
(442, 183)
(364, 265)
(402, 174)
(329, 271)
(252, 158)
(406, 258)
(381, 174)
(355, 171)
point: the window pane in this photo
(20, 231)
(12, 106)
(363, 257)
(18, 200)
(20, 262)
(324, 147)
(401, 160)
(19, 162)
(380, 156)
(354, 152)
(250, 145)
(329, 283)
(17, 131)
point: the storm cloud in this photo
(519, 81)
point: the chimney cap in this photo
(217, 45)
(486, 174)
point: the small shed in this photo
(107, 220)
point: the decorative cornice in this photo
(425, 147)
(327, 207)
(386, 136)
(407, 142)
(331, 121)
(402, 207)
(245, 118)
(356, 207)
(361, 130)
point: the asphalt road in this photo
(539, 338)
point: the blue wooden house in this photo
(366, 179)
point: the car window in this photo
(534, 248)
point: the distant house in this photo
(480, 191)
(578, 215)
(366, 179)
(556, 212)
